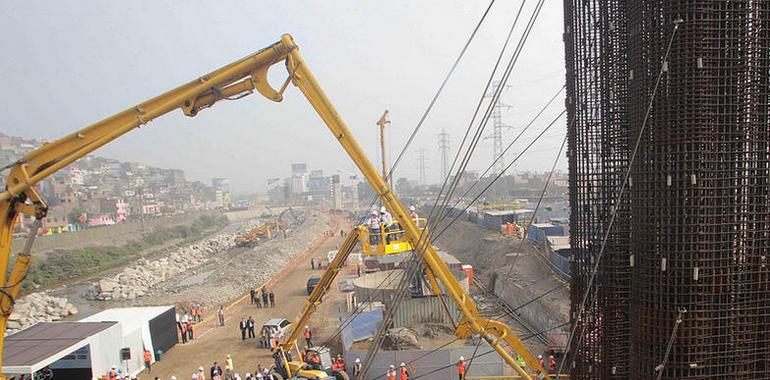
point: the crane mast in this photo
(232, 81)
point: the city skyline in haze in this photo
(70, 66)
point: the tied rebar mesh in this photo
(595, 45)
(692, 236)
(700, 195)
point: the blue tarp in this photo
(363, 326)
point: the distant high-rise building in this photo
(299, 168)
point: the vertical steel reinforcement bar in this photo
(597, 76)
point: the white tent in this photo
(87, 350)
(134, 325)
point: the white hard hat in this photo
(462, 358)
(173, 377)
(358, 360)
(403, 365)
(539, 356)
(382, 209)
(392, 366)
(374, 211)
(114, 367)
(200, 368)
(411, 208)
(307, 327)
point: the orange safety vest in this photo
(307, 333)
(113, 375)
(552, 363)
(391, 374)
(461, 368)
(404, 373)
(147, 356)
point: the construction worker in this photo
(229, 361)
(373, 222)
(340, 363)
(392, 372)
(221, 315)
(189, 330)
(308, 336)
(403, 372)
(184, 332)
(413, 213)
(541, 361)
(314, 360)
(112, 374)
(551, 364)
(461, 368)
(147, 360)
(385, 220)
(357, 368)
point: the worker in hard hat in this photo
(403, 372)
(357, 368)
(392, 372)
(541, 361)
(373, 223)
(413, 213)
(461, 368)
(386, 220)
(308, 336)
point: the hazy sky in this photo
(67, 64)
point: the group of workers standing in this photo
(382, 224)
(267, 299)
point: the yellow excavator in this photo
(253, 235)
(230, 82)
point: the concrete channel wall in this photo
(438, 365)
(424, 310)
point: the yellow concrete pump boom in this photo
(233, 81)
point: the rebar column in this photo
(598, 152)
(700, 199)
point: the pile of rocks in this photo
(135, 281)
(38, 307)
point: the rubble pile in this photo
(227, 278)
(135, 281)
(38, 307)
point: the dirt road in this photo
(212, 343)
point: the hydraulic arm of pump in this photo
(315, 299)
(233, 81)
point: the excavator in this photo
(253, 235)
(234, 81)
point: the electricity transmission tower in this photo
(421, 165)
(443, 146)
(498, 125)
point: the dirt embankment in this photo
(516, 278)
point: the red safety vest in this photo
(147, 356)
(404, 373)
(307, 333)
(461, 368)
